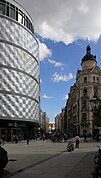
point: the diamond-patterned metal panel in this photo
(14, 81)
(12, 107)
(15, 33)
(19, 74)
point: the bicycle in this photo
(97, 167)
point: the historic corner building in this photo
(78, 106)
(19, 72)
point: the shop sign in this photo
(10, 124)
(15, 124)
(22, 125)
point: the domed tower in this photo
(89, 60)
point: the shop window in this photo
(85, 79)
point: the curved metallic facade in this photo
(19, 70)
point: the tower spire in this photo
(88, 50)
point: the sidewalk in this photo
(22, 156)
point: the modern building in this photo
(78, 106)
(19, 72)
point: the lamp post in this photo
(95, 102)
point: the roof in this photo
(88, 55)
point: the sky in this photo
(63, 28)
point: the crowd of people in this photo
(56, 136)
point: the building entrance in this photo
(7, 134)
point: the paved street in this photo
(44, 159)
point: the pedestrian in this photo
(77, 139)
(16, 139)
(65, 137)
(85, 137)
(27, 140)
(43, 136)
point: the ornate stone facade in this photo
(88, 81)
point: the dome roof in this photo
(88, 55)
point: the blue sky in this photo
(64, 28)
(54, 92)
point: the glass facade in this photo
(10, 10)
(19, 65)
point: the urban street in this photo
(50, 88)
(45, 159)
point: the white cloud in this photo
(61, 77)
(46, 97)
(66, 96)
(65, 20)
(44, 51)
(56, 64)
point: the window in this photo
(95, 91)
(93, 79)
(20, 17)
(7, 10)
(12, 11)
(16, 14)
(26, 21)
(84, 104)
(85, 91)
(2, 8)
(97, 79)
(84, 117)
(85, 79)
